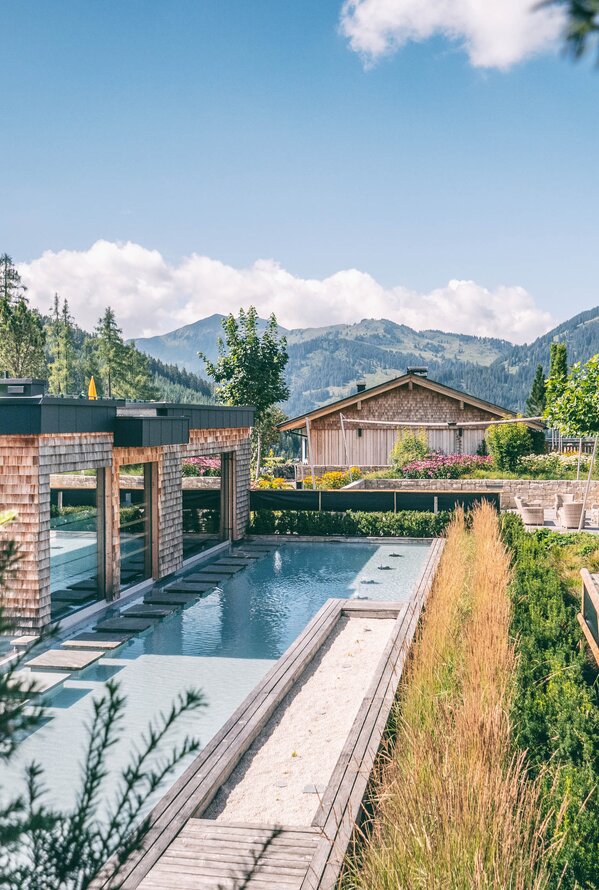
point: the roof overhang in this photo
(298, 423)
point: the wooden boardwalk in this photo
(226, 856)
(183, 850)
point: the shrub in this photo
(404, 523)
(409, 446)
(445, 466)
(335, 479)
(556, 707)
(272, 483)
(546, 466)
(508, 442)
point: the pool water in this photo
(222, 644)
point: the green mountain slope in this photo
(325, 363)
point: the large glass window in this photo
(76, 570)
(202, 519)
(135, 490)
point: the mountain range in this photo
(325, 363)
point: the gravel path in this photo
(283, 775)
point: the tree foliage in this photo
(507, 443)
(536, 402)
(22, 334)
(61, 347)
(573, 401)
(250, 368)
(123, 370)
(582, 24)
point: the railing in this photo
(588, 617)
(370, 501)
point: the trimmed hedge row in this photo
(404, 523)
(556, 702)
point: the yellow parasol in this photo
(92, 392)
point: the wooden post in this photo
(346, 448)
(310, 456)
(587, 486)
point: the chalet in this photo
(361, 429)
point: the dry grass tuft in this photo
(453, 807)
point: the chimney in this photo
(360, 386)
(418, 370)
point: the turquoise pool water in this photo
(223, 644)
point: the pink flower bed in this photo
(445, 466)
(202, 466)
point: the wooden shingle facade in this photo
(43, 436)
(361, 429)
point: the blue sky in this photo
(241, 131)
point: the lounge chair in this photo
(568, 511)
(531, 514)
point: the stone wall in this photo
(540, 491)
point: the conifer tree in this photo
(22, 334)
(535, 403)
(124, 370)
(62, 348)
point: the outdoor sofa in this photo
(567, 511)
(531, 514)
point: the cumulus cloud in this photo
(151, 296)
(494, 33)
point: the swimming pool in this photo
(222, 644)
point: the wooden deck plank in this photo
(261, 857)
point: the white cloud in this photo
(152, 297)
(494, 33)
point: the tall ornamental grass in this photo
(452, 806)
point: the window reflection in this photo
(74, 542)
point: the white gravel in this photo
(282, 777)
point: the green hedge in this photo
(403, 524)
(556, 703)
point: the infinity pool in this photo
(223, 645)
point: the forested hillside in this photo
(325, 363)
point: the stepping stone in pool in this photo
(247, 555)
(72, 596)
(241, 561)
(107, 642)
(162, 597)
(118, 625)
(215, 577)
(24, 642)
(189, 585)
(44, 681)
(229, 566)
(64, 660)
(144, 610)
